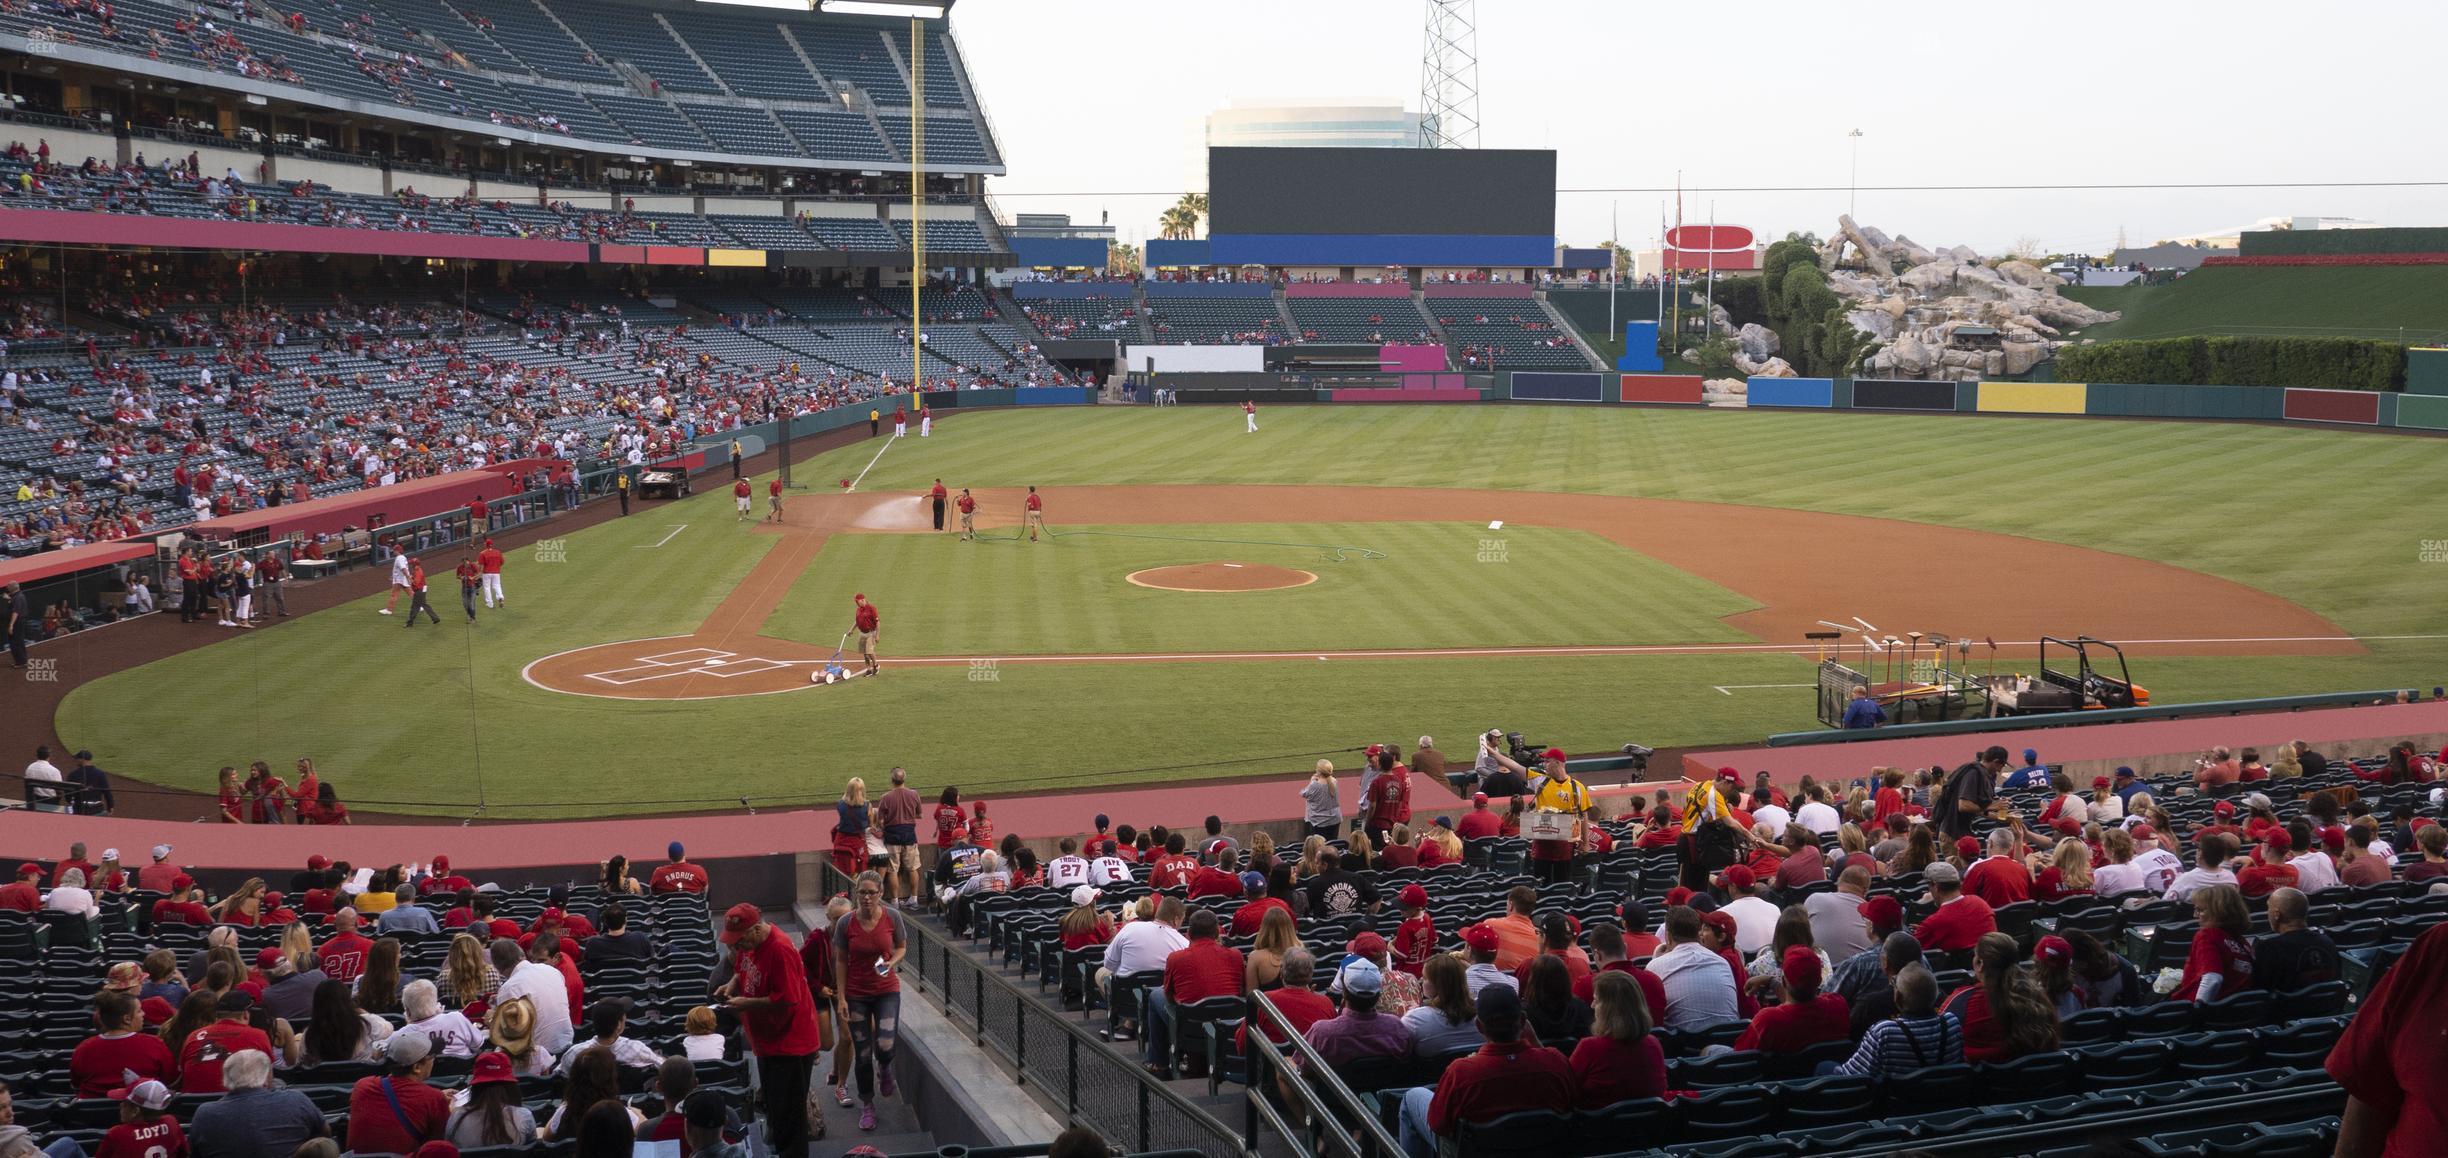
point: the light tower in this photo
(1449, 76)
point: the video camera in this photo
(1640, 758)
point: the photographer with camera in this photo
(1504, 775)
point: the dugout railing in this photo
(1080, 1077)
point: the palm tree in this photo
(1177, 224)
(1189, 211)
(1122, 259)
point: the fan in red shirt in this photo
(769, 990)
(951, 821)
(344, 955)
(2270, 872)
(443, 880)
(1415, 939)
(676, 874)
(2390, 1060)
(2221, 962)
(182, 906)
(1999, 878)
(981, 830)
(1174, 869)
(1389, 797)
(1961, 918)
(208, 1047)
(1479, 823)
(102, 1062)
(24, 895)
(147, 1128)
(1216, 879)
(1806, 1018)
(1506, 1076)
(2005, 1014)
(1203, 969)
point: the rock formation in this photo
(1939, 313)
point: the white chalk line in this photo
(879, 457)
(1730, 689)
(676, 528)
(1609, 649)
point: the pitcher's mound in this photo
(1222, 577)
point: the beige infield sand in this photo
(1222, 577)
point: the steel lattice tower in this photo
(1449, 76)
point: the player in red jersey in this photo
(1036, 513)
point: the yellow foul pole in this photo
(917, 157)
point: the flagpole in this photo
(1708, 311)
(1614, 238)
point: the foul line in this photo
(879, 457)
(1730, 689)
(676, 528)
(1564, 650)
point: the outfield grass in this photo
(1434, 587)
(2331, 519)
(2389, 303)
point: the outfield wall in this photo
(2424, 406)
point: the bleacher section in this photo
(1200, 319)
(1505, 333)
(1356, 319)
(60, 960)
(506, 63)
(2246, 1050)
(1117, 316)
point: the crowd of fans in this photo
(235, 1035)
(1862, 928)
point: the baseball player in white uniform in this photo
(399, 580)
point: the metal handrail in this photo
(1312, 1070)
(929, 965)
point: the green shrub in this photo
(2319, 363)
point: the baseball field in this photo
(1589, 577)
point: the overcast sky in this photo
(1096, 100)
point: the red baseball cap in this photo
(1737, 876)
(555, 916)
(29, 869)
(181, 881)
(503, 927)
(491, 1067)
(1366, 944)
(2099, 782)
(2068, 826)
(2144, 832)
(2279, 840)
(2333, 838)
(1476, 798)
(1678, 895)
(441, 864)
(1413, 897)
(2224, 808)
(272, 899)
(742, 917)
(1480, 938)
(1720, 920)
(157, 1010)
(1967, 847)
(1552, 754)
(269, 956)
(317, 863)
(1802, 968)
(1882, 912)
(2053, 948)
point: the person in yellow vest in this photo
(1556, 790)
(875, 422)
(621, 483)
